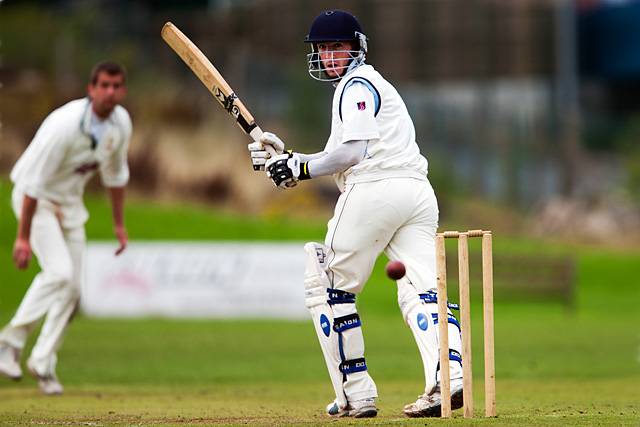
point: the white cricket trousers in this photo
(396, 215)
(55, 291)
(400, 217)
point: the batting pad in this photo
(337, 326)
(357, 383)
(420, 313)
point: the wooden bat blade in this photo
(211, 78)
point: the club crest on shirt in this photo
(361, 105)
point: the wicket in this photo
(465, 321)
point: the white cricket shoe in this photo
(365, 408)
(429, 405)
(9, 362)
(48, 384)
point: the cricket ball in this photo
(395, 270)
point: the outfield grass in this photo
(554, 366)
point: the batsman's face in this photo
(108, 92)
(335, 57)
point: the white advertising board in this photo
(192, 279)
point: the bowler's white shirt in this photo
(367, 107)
(63, 156)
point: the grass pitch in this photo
(554, 366)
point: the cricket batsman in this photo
(74, 141)
(386, 205)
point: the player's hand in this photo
(272, 139)
(21, 253)
(123, 238)
(284, 170)
(259, 154)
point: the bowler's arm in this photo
(22, 247)
(115, 176)
(117, 209)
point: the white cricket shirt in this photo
(64, 154)
(367, 107)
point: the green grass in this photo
(554, 366)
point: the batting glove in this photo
(285, 170)
(259, 155)
(272, 139)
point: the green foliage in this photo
(444, 183)
(309, 110)
(22, 31)
(629, 141)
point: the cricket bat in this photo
(213, 81)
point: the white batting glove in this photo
(272, 139)
(259, 155)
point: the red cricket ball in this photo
(395, 270)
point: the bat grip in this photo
(270, 150)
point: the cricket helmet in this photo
(335, 26)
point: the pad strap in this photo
(431, 297)
(349, 321)
(352, 366)
(337, 296)
(450, 319)
(453, 355)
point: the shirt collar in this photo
(85, 124)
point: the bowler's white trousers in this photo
(55, 291)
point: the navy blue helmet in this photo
(335, 26)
